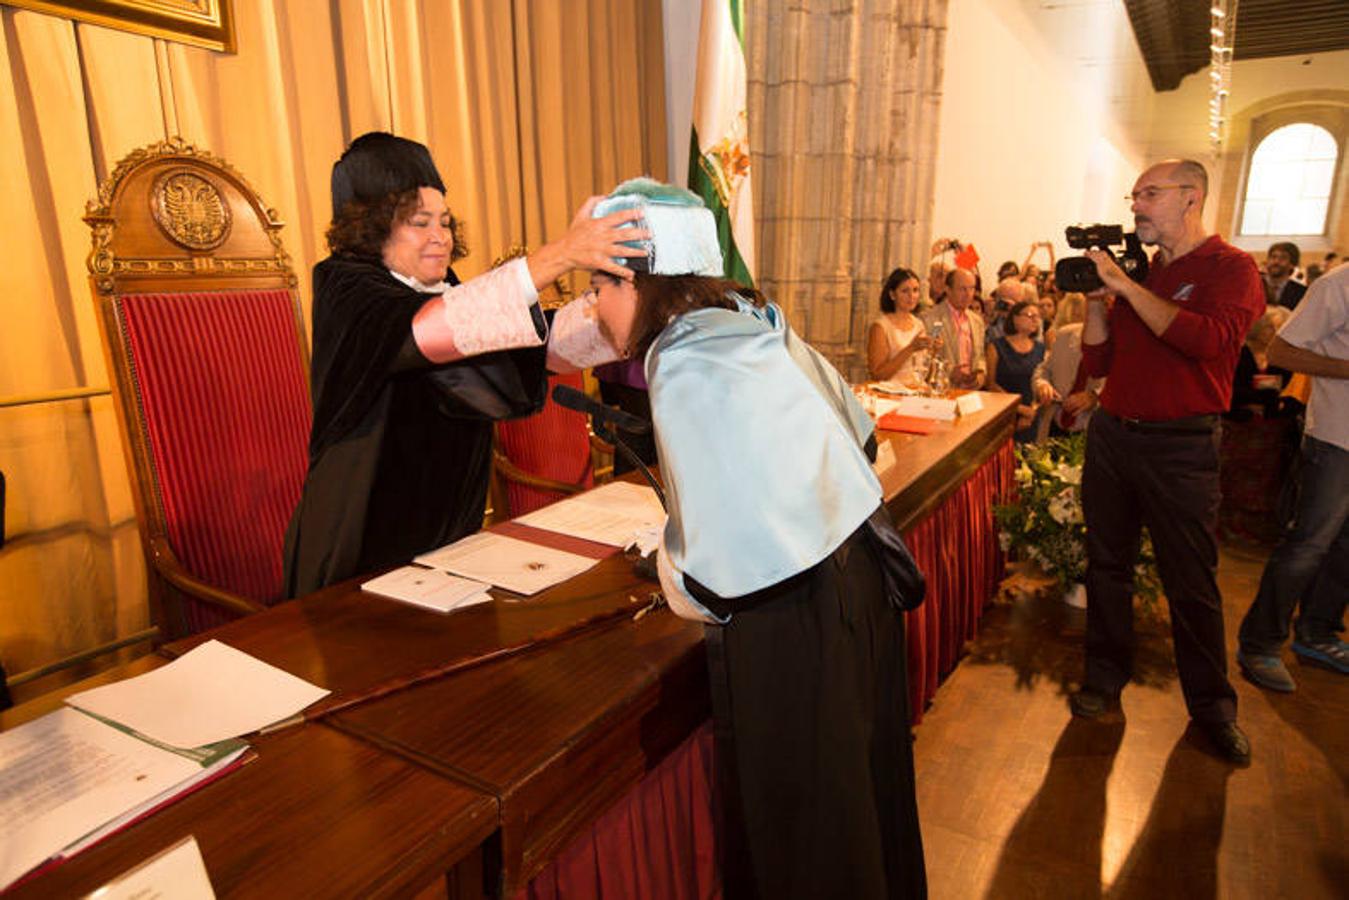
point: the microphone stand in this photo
(606, 431)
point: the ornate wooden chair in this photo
(206, 350)
(551, 454)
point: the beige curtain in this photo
(529, 106)
(843, 108)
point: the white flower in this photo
(1068, 474)
(1024, 475)
(1004, 541)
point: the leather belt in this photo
(1188, 425)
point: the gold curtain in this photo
(843, 102)
(528, 106)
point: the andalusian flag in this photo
(719, 154)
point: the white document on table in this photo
(506, 562)
(211, 693)
(611, 514)
(430, 589)
(179, 873)
(64, 778)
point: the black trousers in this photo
(815, 766)
(1166, 479)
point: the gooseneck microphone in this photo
(571, 398)
(607, 422)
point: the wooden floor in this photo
(1018, 799)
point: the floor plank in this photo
(1018, 799)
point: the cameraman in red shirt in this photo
(1168, 348)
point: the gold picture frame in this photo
(201, 23)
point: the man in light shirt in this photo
(1310, 567)
(962, 331)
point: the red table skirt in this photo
(957, 549)
(656, 842)
(642, 847)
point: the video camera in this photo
(1077, 273)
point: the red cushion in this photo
(554, 444)
(226, 410)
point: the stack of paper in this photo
(120, 751)
(428, 588)
(506, 562)
(611, 514)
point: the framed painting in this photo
(201, 23)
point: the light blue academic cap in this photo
(683, 231)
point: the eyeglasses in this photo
(1150, 192)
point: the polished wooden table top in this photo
(360, 646)
(318, 813)
(930, 466)
(557, 735)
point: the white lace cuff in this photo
(576, 341)
(491, 312)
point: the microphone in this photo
(608, 422)
(580, 401)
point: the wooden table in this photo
(317, 814)
(491, 737)
(557, 735)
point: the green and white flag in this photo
(719, 153)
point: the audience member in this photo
(1007, 294)
(1012, 360)
(896, 339)
(1256, 382)
(960, 330)
(937, 274)
(1008, 269)
(1060, 381)
(1281, 286)
(1309, 570)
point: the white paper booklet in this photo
(927, 408)
(209, 694)
(506, 562)
(178, 872)
(607, 515)
(428, 588)
(67, 779)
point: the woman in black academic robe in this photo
(410, 368)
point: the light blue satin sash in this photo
(760, 442)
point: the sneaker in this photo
(1229, 740)
(1090, 702)
(1266, 671)
(1333, 654)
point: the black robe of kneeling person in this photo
(401, 448)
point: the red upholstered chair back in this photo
(205, 344)
(546, 456)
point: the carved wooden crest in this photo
(190, 210)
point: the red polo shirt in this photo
(1188, 370)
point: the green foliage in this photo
(1044, 522)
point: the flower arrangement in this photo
(1044, 522)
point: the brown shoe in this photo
(1091, 703)
(1229, 740)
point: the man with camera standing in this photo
(1167, 348)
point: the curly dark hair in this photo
(661, 298)
(361, 228)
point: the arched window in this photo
(1288, 189)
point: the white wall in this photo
(1044, 123)
(681, 19)
(1180, 125)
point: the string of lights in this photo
(1222, 34)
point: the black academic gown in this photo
(401, 448)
